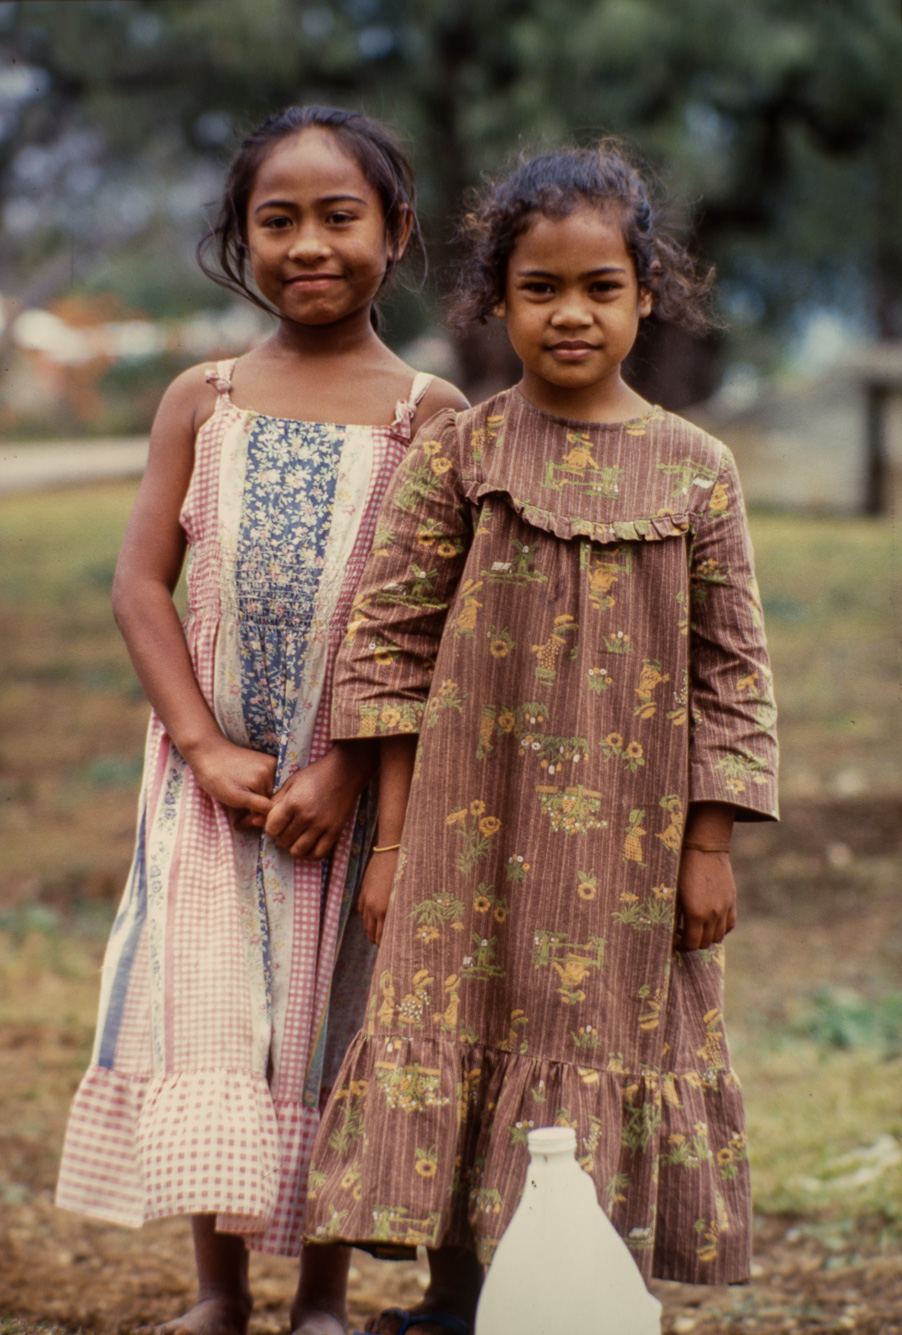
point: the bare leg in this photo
(320, 1305)
(224, 1300)
(455, 1278)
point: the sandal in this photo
(410, 1320)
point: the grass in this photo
(813, 991)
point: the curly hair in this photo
(378, 153)
(555, 184)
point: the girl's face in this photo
(316, 231)
(572, 305)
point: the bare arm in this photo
(396, 759)
(147, 571)
(706, 891)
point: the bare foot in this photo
(209, 1316)
(315, 1322)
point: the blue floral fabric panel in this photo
(289, 495)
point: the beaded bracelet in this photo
(386, 848)
(708, 848)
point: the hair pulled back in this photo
(222, 252)
(555, 184)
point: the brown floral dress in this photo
(567, 615)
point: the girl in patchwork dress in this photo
(561, 604)
(222, 1006)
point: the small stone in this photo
(839, 855)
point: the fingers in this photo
(301, 833)
(373, 922)
(696, 933)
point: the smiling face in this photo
(316, 231)
(572, 305)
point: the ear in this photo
(646, 302)
(397, 248)
(500, 311)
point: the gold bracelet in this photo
(386, 848)
(708, 848)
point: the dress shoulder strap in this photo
(405, 408)
(220, 377)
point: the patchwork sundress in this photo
(235, 974)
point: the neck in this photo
(606, 401)
(353, 334)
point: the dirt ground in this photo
(62, 1274)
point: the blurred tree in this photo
(777, 127)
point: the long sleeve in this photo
(384, 668)
(733, 748)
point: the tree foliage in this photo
(775, 127)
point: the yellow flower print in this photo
(735, 785)
(500, 913)
(489, 825)
(456, 816)
(431, 447)
(447, 687)
(383, 655)
(634, 751)
(614, 740)
(506, 721)
(426, 539)
(348, 1181)
(563, 1118)
(359, 1088)
(477, 807)
(427, 934)
(427, 1162)
(446, 549)
(719, 499)
(482, 905)
(725, 1156)
(440, 466)
(390, 717)
(498, 648)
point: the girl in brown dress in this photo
(561, 606)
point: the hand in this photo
(236, 776)
(706, 900)
(375, 892)
(309, 811)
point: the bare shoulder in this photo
(190, 397)
(440, 394)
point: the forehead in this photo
(588, 238)
(313, 162)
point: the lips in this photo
(574, 350)
(312, 281)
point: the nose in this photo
(309, 244)
(571, 312)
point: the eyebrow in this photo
(549, 273)
(327, 199)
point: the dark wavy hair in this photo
(554, 184)
(222, 252)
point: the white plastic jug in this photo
(561, 1266)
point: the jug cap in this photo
(552, 1140)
